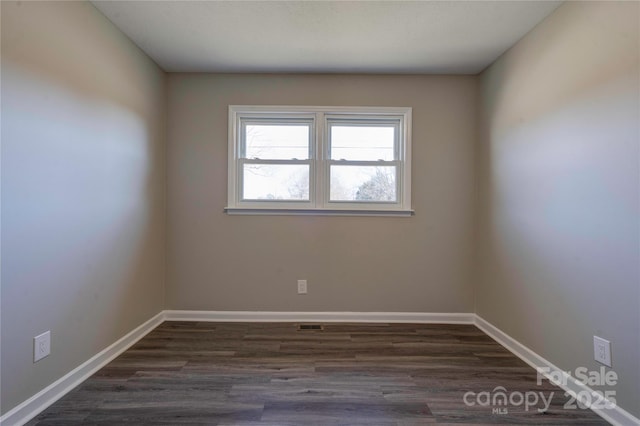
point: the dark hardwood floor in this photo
(346, 374)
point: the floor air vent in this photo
(305, 327)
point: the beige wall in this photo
(83, 182)
(221, 262)
(559, 190)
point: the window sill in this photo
(317, 212)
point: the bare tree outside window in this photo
(299, 186)
(381, 187)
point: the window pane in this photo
(276, 182)
(363, 183)
(277, 142)
(362, 143)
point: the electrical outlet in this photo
(602, 350)
(41, 346)
(302, 286)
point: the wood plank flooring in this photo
(273, 374)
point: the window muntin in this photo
(319, 159)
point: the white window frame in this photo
(320, 160)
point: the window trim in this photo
(320, 161)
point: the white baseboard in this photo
(615, 415)
(40, 401)
(30, 408)
(371, 317)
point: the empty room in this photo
(320, 212)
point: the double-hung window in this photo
(319, 160)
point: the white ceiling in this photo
(413, 37)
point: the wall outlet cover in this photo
(602, 350)
(41, 346)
